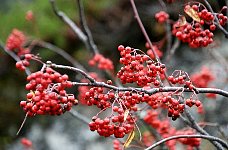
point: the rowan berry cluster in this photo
(116, 125)
(161, 16)
(181, 78)
(117, 145)
(101, 62)
(26, 143)
(206, 16)
(156, 50)
(47, 93)
(21, 65)
(165, 129)
(139, 68)
(15, 42)
(147, 138)
(83, 89)
(194, 35)
(203, 78)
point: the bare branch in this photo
(143, 29)
(59, 51)
(210, 138)
(86, 29)
(73, 69)
(70, 23)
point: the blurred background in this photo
(112, 23)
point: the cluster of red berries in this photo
(83, 89)
(47, 93)
(165, 129)
(138, 68)
(181, 78)
(97, 96)
(150, 52)
(21, 65)
(147, 138)
(195, 35)
(117, 125)
(190, 102)
(161, 16)
(15, 42)
(191, 142)
(29, 15)
(202, 78)
(101, 62)
(117, 145)
(207, 17)
(26, 143)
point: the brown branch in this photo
(92, 45)
(59, 51)
(143, 29)
(70, 23)
(210, 138)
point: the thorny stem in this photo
(207, 137)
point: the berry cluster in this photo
(26, 143)
(206, 16)
(97, 96)
(29, 15)
(47, 93)
(15, 42)
(83, 89)
(102, 62)
(181, 78)
(165, 129)
(117, 125)
(150, 52)
(147, 138)
(117, 145)
(161, 16)
(202, 78)
(139, 68)
(194, 35)
(21, 65)
(191, 142)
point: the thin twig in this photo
(59, 51)
(22, 124)
(210, 138)
(70, 23)
(143, 30)
(92, 45)
(73, 69)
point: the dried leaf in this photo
(182, 20)
(126, 114)
(129, 139)
(192, 13)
